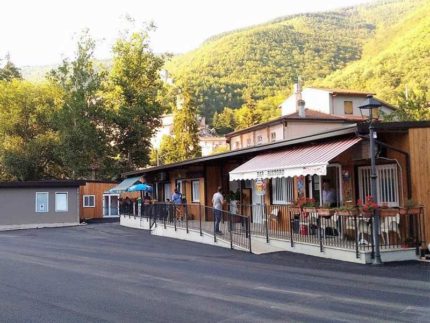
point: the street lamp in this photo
(372, 106)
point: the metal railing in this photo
(232, 228)
(351, 230)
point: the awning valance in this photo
(122, 187)
(302, 160)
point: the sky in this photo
(43, 32)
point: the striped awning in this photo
(122, 187)
(301, 160)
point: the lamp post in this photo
(372, 105)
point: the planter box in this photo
(309, 209)
(388, 211)
(410, 211)
(325, 212)
(352, 212)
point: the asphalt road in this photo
(106, 273)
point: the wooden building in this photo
(93, 204)
(298, 167)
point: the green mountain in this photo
(395, 59)
(264, 60)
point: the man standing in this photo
(217, 203)
(177, 201)
(328, 195)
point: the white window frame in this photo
(194, 198)
(282, 190)
(259, 140)
(47, 202)
(67, 201)
(167, 193)
(344, 107)
(385, 193)
(273, 136)
(248, 142)
(88, 196)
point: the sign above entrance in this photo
(280, 172)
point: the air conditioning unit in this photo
(361, 151)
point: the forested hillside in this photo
(264, 61)
(398, 58)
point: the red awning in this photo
(311, 159)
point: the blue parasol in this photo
(142, 187)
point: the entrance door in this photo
(257, 206)
(332, 182)
(110, 205)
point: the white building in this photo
(304, 113)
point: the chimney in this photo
(298, 94)
(301, 108)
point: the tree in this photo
(133, 88)
(82, 120)
(186, 128)
(28, 140)
(9, 71)
(167, 151)
(413, 106)
(224, 122)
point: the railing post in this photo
(291, 229)
(231, 230)
(371, 234)
(174, 214)
(266, 221)
(186, 217)
(249, 233)
(357, 253)
(200, 219)
(417, 239)
(214, 220)
(319, 219)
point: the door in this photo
(110, 205)
(257, 206)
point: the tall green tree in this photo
(413, 106)
(28, 140)
(81, 122)
(186, 128)
(9, 71)
(133, 88)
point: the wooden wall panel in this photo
(419, 143)
(97, 189)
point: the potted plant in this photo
(388, 211)
(411, 208)
(346, 210)
(368, 206)
(309, 205)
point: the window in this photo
(248, 142)
(195, 188)
(167, 192)
(42, 202)
(387, 185)
(180, 186)
(237, 145)
(347, 106)
(259, 140)
(61, 202)
(273, 137)
(282, 190)
(89, 200)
